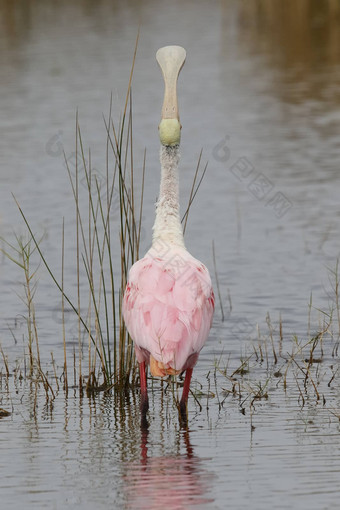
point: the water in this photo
(259, 93)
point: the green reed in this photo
(96, 237)
(21, 254)
(106, 247)
(305, 367)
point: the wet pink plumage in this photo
(168, 307)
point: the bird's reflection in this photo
(172, 481)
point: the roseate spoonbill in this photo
(168, 301)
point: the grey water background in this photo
(260, 94)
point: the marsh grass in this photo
(106, 245)
(305, 368)
(99, 308)
(21, 254)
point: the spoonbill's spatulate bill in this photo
(168, 302)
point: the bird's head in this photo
(170, 60)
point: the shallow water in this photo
(259, 93)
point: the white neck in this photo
(167, 226)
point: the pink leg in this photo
(184, 400)
(144, 401)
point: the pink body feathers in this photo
(168, 308)
(168, 302)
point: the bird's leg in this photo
(144, 400)
(183, 405)
(144, 441)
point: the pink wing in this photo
(168, 308)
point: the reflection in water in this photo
(171, 481)
(298, 32)
(299, 39)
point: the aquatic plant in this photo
(106, 246)
(21, 255)
(305, 367)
